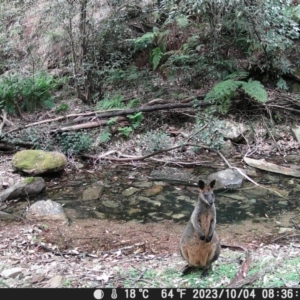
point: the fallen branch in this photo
(242, 273)
(134, 158)
(286, 236)
(86, 125)
(122, 112)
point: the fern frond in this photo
(255, 90)
(112, 121)
(222, 90)
(109, 103)
(136, 119)
(182, 21)
(144, 41)
(104, 136)
(237, 75)
(133, 103)
(125, 130)
(156, 57)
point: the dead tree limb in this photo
(122, 112)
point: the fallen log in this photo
(267, 166)
(122, 112)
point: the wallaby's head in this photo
(206, 192)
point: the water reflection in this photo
(124, 196)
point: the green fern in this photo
(156, 57)
(110, 103)
(224, 89)
(182, 21)
(144, 41)
(255, 90)
(112, 121)
(125, 130)
(104, 136)
(237, 75)
(133, 103)
(136, 119)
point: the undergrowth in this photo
(20, 93)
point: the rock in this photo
(255, 191)
(174, 176)
(228, 179)
(144, 184)
(248, 213)
(55, 282)
(159, 183)
(234, 196)
(37, 278)
(6, 216)
(263, 165)
(187, 199)
(100, 215)
(36, 162)
(133, 211)
(130, 191)
(46, 210)
(234, 131)
(153, 202)
(30, 186)
(251, 172)
(283, 203)
(11, 273)
(160, 198)
(227, 148)
(9, 283)
(110, 204)
(285, 229)
(156, 189)
(92, 193)
(279, 192)
(178, 216)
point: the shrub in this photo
(154, 141)
(74, 142)
(23, 93)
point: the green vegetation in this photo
(155, 141)
(22, 93)
(224, 91)
(74, 142)
(265, 272)
(234, 52)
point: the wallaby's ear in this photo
(201, 184)
(212, 183)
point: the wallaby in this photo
(199, 243)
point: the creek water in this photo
(126, 193)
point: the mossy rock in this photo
(28, 187)
(38, 161)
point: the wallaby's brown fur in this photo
(199, 244)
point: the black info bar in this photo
(153, 293)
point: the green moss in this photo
(38, 159)
(29, 179)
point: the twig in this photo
(205, 125)
(247, 177)
(276, 144)
(285, 236)
(140, 276)
(132, 158)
